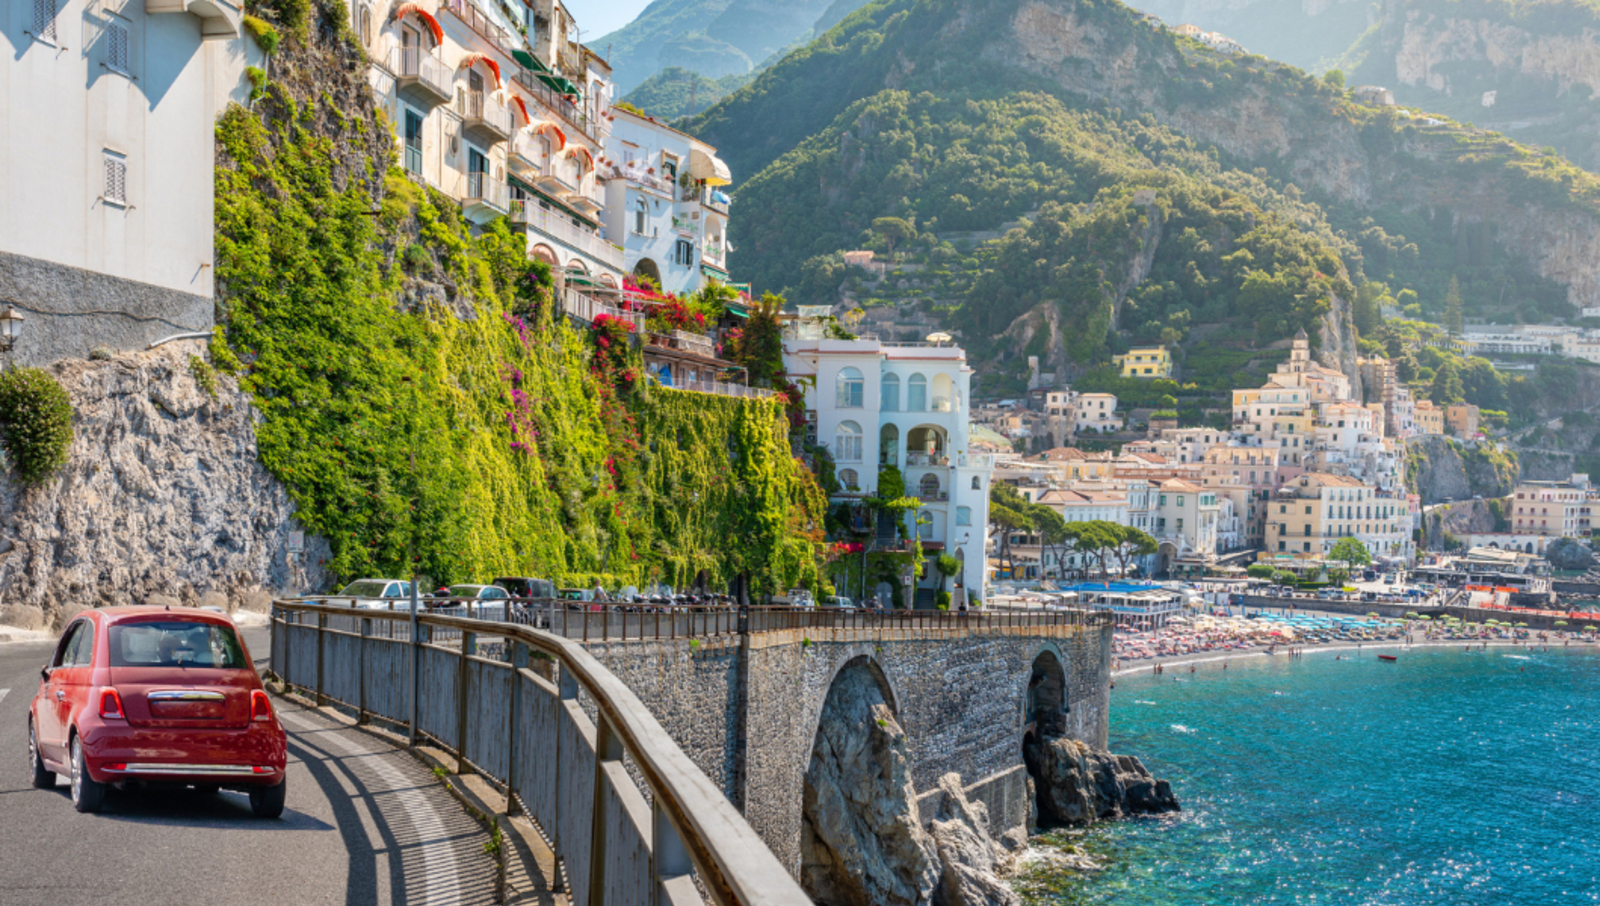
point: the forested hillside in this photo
(1050, 116)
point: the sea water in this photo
(1440, 778)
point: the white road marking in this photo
(3, 694)
(443, 888)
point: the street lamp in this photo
(10, 328)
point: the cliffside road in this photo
(365, 824)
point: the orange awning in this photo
(415, 9)
(581, 151)
(526, 119)
(487, 60)
(551, 130)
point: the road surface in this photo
(365, 824)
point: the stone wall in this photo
(71, 311)
(960, 695)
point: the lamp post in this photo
(10, 328)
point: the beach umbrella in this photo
(1561, 622)
(1371, 614)
(1522, 625)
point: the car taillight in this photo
(111, 705)
(260, 706)
(116, 766)
(262, 769)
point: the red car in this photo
(155, 697)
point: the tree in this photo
(1452, 308)
(1350, 552)
(1335, 78)
(1052, 530)
(1259, 571)
(1446, 387)
(1132, 542)
(947, 567)
(894, 231)
(1097, 538)
(1007, 514)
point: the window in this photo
(67, 651)
(171, 643)
(683, 253)
(365, 25)
(847, 446)
(669, 167)
(849, 480)
(641, 212)
(929, 487)
(413, 155)
(850, 388)
(116, 191)
(977, 484)
(44, 20)
(925, 525)
(917, 393)
(963, 515)
(117, 47)
(891, 393)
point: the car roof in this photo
(469, 585)
(117, 614)
(354, 581)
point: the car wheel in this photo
(43, 777)
(87, 794)
(267, 801)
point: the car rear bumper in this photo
(251, 756)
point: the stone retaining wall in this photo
(745, 709)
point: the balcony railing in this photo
(422, 76)
(563, 230)
(485, 116)
(586, 307)
(933, 496)
(484, 189)
(558, 104)
(722, 389)
(975, 460)
(482, 24)
(927, 459)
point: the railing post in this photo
(322, 623)
(607, 751)
(361, 672)
(669, 858)
(519, 660)
(469, 641)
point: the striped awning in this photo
(415, 9)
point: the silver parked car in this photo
(374, 594)
(482, 602)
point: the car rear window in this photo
(175, 643)
(365, 589)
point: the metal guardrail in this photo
(520, 724)
(415, 63)
(484, 188)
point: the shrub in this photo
(258, 81)
(942, 600)
(266, 36)
(36, 417)
(204, 375)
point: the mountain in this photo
(676, 92)
(969, 116)
(715, 38)
(1307, 33)
(1530, 70)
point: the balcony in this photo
(219, 19)
(587, 308)
(739, 391)
(480, 23)
(927, 459)
(975, 460)
(483, 198)
(524, 160)
(420, 77)
(559, 104)
(483, 118)
(561, 229)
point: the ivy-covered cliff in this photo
(1095, 97)
(418, 395)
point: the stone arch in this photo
(1045, 703)
(546, 254)
(648, 268)
(1166, 555)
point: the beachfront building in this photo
(1554, 508)
(1187, 518)
(1147, 362)
(667, 200)
(502, 110)
(1309, 514)
(876, 405)
(106, 169)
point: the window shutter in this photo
(44, 20)
(117, 47)
(116, 178)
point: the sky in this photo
(602, 17)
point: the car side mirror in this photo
(44, 672)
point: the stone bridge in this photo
(746, 705)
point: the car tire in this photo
(87, 793)
(267, 801)
(43, 777)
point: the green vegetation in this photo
(205, 376)
(677, 92)
(1351, 552)
(35, 423)
(500, 442)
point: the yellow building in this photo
(1146, 362)
(1429, 418)
(1462, 419)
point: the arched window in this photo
(891, 393)
(851, 388)
(925, 525)
(963, 515)
(641, 213)
(917, 394)
(976, 484)
(929, 486)
(847, 446)
(364, 26)
(849, 480)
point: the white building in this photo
(667, 200)
(878, 404)
(1097, 412)
(501, 109)
(106, 167)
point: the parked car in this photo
(158, 698)
(521, 587)
(374, 594)
(482, 602)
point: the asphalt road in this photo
(365, 824)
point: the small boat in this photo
(1386, 657)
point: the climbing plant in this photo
(35, 423)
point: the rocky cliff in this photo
(1077, 785)
(1306, 33)
(1440, 469)
(163, 499)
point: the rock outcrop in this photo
(1569, 553)
(162, 498)
(1078, 785)
(1441, 469)
(863, 840)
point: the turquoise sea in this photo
(1441, 778)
